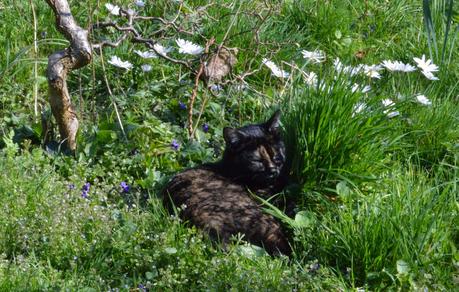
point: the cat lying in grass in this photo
(216, 197)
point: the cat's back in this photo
(222, 208)
(200, 186)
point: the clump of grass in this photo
(325, 132)
(404, 218)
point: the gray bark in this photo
(60, 64)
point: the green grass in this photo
(377, 197)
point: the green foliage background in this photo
(377, 197)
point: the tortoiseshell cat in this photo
(216, 198)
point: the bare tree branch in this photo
(60, 64)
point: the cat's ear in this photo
(273, 124)
(231, 136)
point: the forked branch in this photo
(60, 64)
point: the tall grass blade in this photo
(431, 37)
(449, 14)
(451, 50)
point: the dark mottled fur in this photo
(216, 196)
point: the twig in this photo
(195, 89)
(111, 97)
(35, 67)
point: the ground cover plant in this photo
(369, 97)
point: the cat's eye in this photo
(277, 158)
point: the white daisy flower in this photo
(372, 71)
(392, 114)
(187, 47)
(146, 68)
(117, 62)
(387, 102)
(366, 88)
(427, 67)
(358, 108)
(356, 87)
(429, 75)
(310, 78)
(146, 54)
(422, 99)
(276, 71)
(315, 56)
(398, 66)
(162, 50)
(113, 9)
(340, 67)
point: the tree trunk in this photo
(60, 64)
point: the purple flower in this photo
(71, 186)
(216, 87)
(124, 186)
(181, 105)
(140, 3)
(175, 145)
(85, 190)
(205, 127)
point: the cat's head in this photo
(255, 152)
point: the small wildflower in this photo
(358, 108)
(356, 87)
(161, 49)
(182, 105)
(429, 75)
(147, 54)
(131, 11)
(113, 9)
(427, 67)
(387, 102)
(397, 66)
(175, 145)
(146, 68)
(125, 187)
(216, 87)
(310, 78)
(314, 267)
(314, 56)
(187, 47)
(392, 114)
(240, 87)
(71, 186)
(422, 99)
(275, 70)
(85, 190)
(117, 62)
(205, 127)
(139, 3)
(341, 68)
(372, 71)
